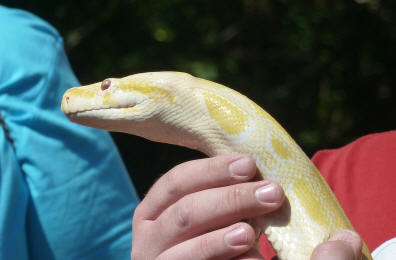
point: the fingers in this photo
(194, 176)
(213, 208)
(199, 201)
(343, 245)
(225, 243)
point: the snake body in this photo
(177, 108)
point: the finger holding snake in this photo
(184, 229)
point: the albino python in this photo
(177, 108)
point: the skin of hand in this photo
(173, 220)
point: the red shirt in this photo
(362, 175)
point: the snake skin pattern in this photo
(177, 108)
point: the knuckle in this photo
(205, 249)
(212, 164)
(183, 215)
(234, 199)
(217, 164)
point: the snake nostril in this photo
(105, 84)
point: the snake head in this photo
(169, 107)
(153, 105)
(131, 98)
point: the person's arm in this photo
(196, 211)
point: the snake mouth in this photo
(106, 113)
(98, 109)
(102, 118)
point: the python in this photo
(177, 108)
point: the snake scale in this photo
(177, 108)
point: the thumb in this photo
(343, 245)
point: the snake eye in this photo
(105, 84)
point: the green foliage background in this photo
(324, 69)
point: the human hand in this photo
(195, 211)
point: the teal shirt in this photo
(64, 191)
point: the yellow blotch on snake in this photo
(280, 149)
(304, 191)
(152, 92)
(82, 92)
(108, 101)
(228, 116)
(309, 201)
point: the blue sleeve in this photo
(64, 191)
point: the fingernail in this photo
(237, 237)
(241, 168)
(268, 194)
(345, 235)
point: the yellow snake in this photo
(177, 108)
